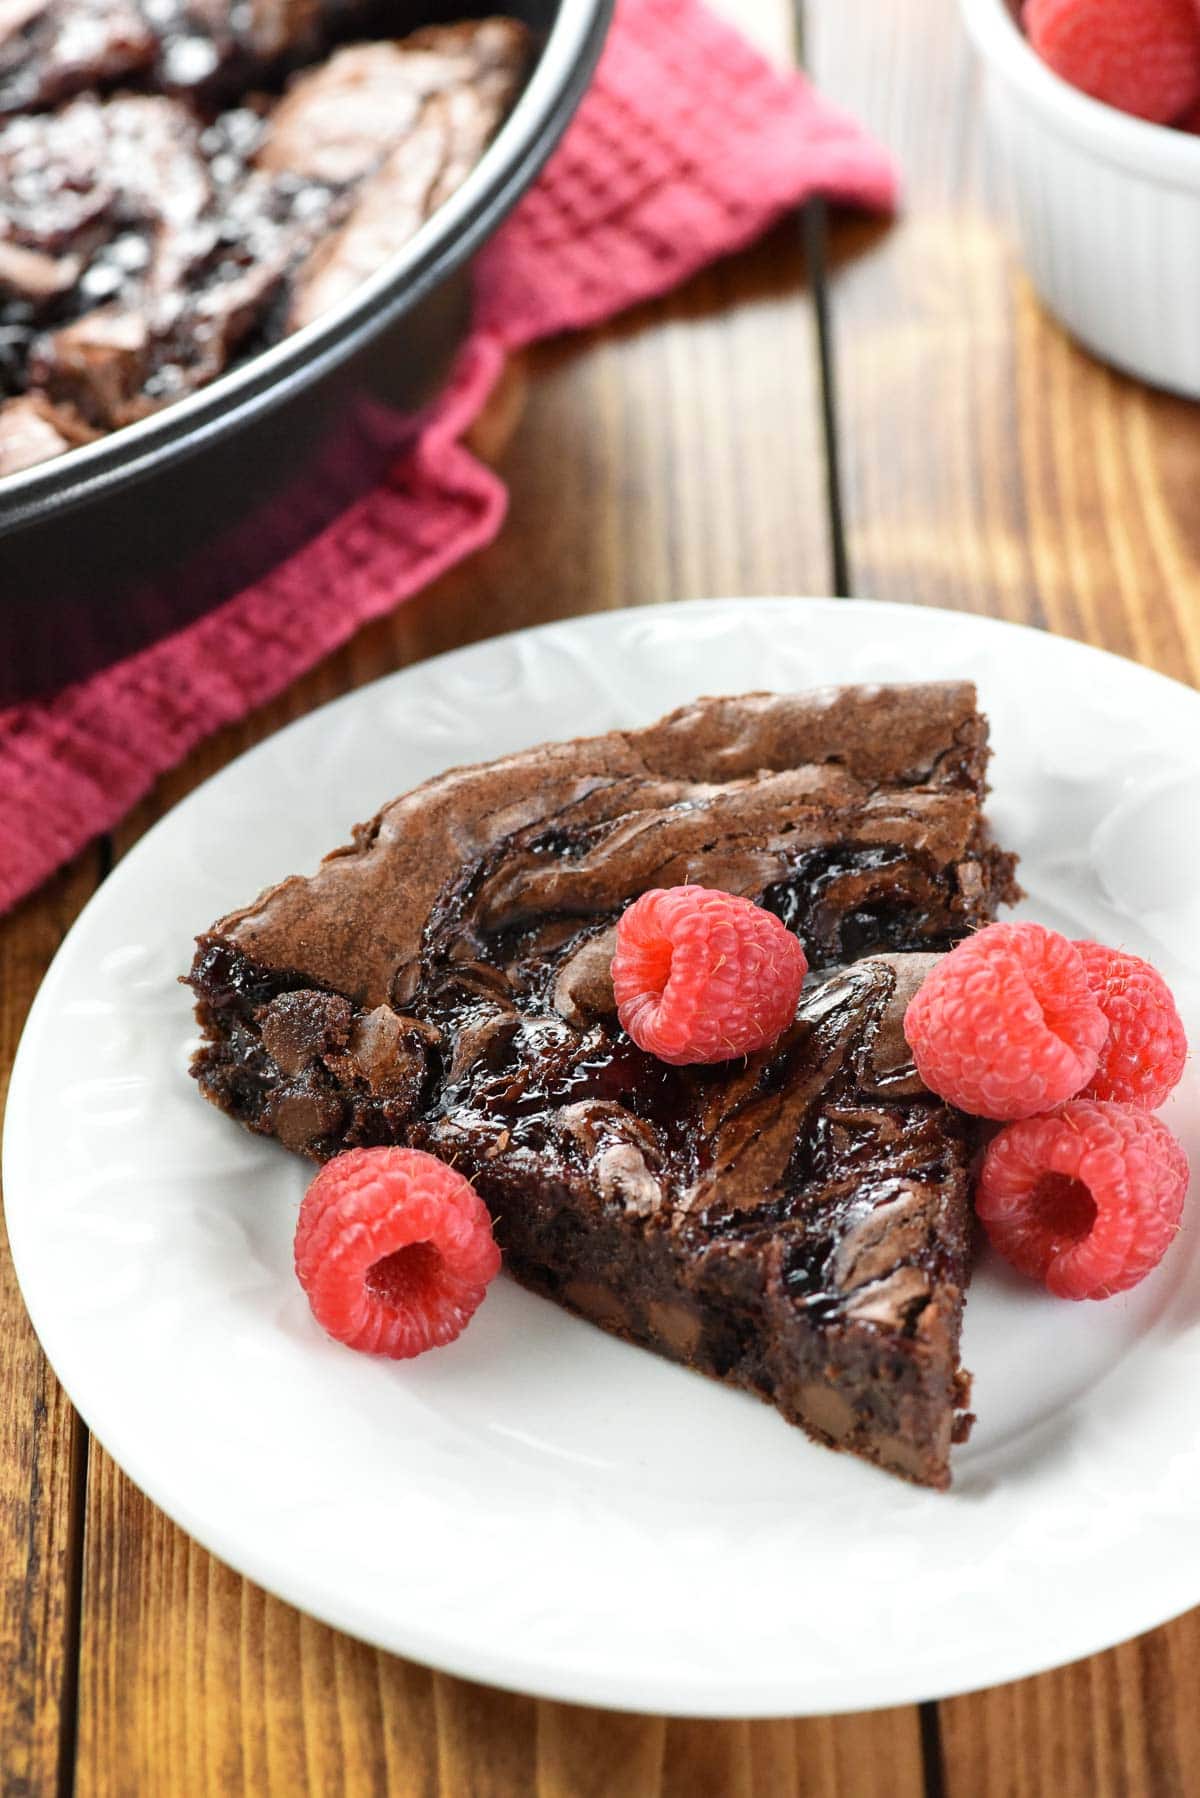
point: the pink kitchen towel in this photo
(687, 146)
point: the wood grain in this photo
(211, 1686)
(39, 1434)
(991, 464)
(988, 462)
(877, 1755)
(1120, 1725)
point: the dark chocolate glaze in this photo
(795, 1222)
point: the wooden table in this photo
(981, 462)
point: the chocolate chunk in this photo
(299, 1027)
(619, 1151)
(889, 1064)
(305, 1114)
(387, 1052)
(583, 989)
(679, 1325)
(596, 1300)
(482, 1039)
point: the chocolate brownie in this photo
(796, 1222)
(148, 240)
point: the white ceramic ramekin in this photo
(1106, 208)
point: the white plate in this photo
(540, 1506)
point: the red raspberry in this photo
(395, 1251)
(1141, 56)
(1142, 1060)
(1086, 1198)
(1007, 1024)
(704, 976)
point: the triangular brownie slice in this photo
(796, 1223)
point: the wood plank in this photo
(597, 1754)
(991, 464)
(988, 462)
(876, 1755)
(234, 1691)
(1120, 1725)
(662, 457)
(39, 1435)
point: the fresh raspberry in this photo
(395, 1251)
(1142, 1060)
(1086, 1198)
(704, 976)
(1007, 1024)
(1141, 56)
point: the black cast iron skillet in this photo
(109, 547)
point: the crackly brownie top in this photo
(852, 812)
